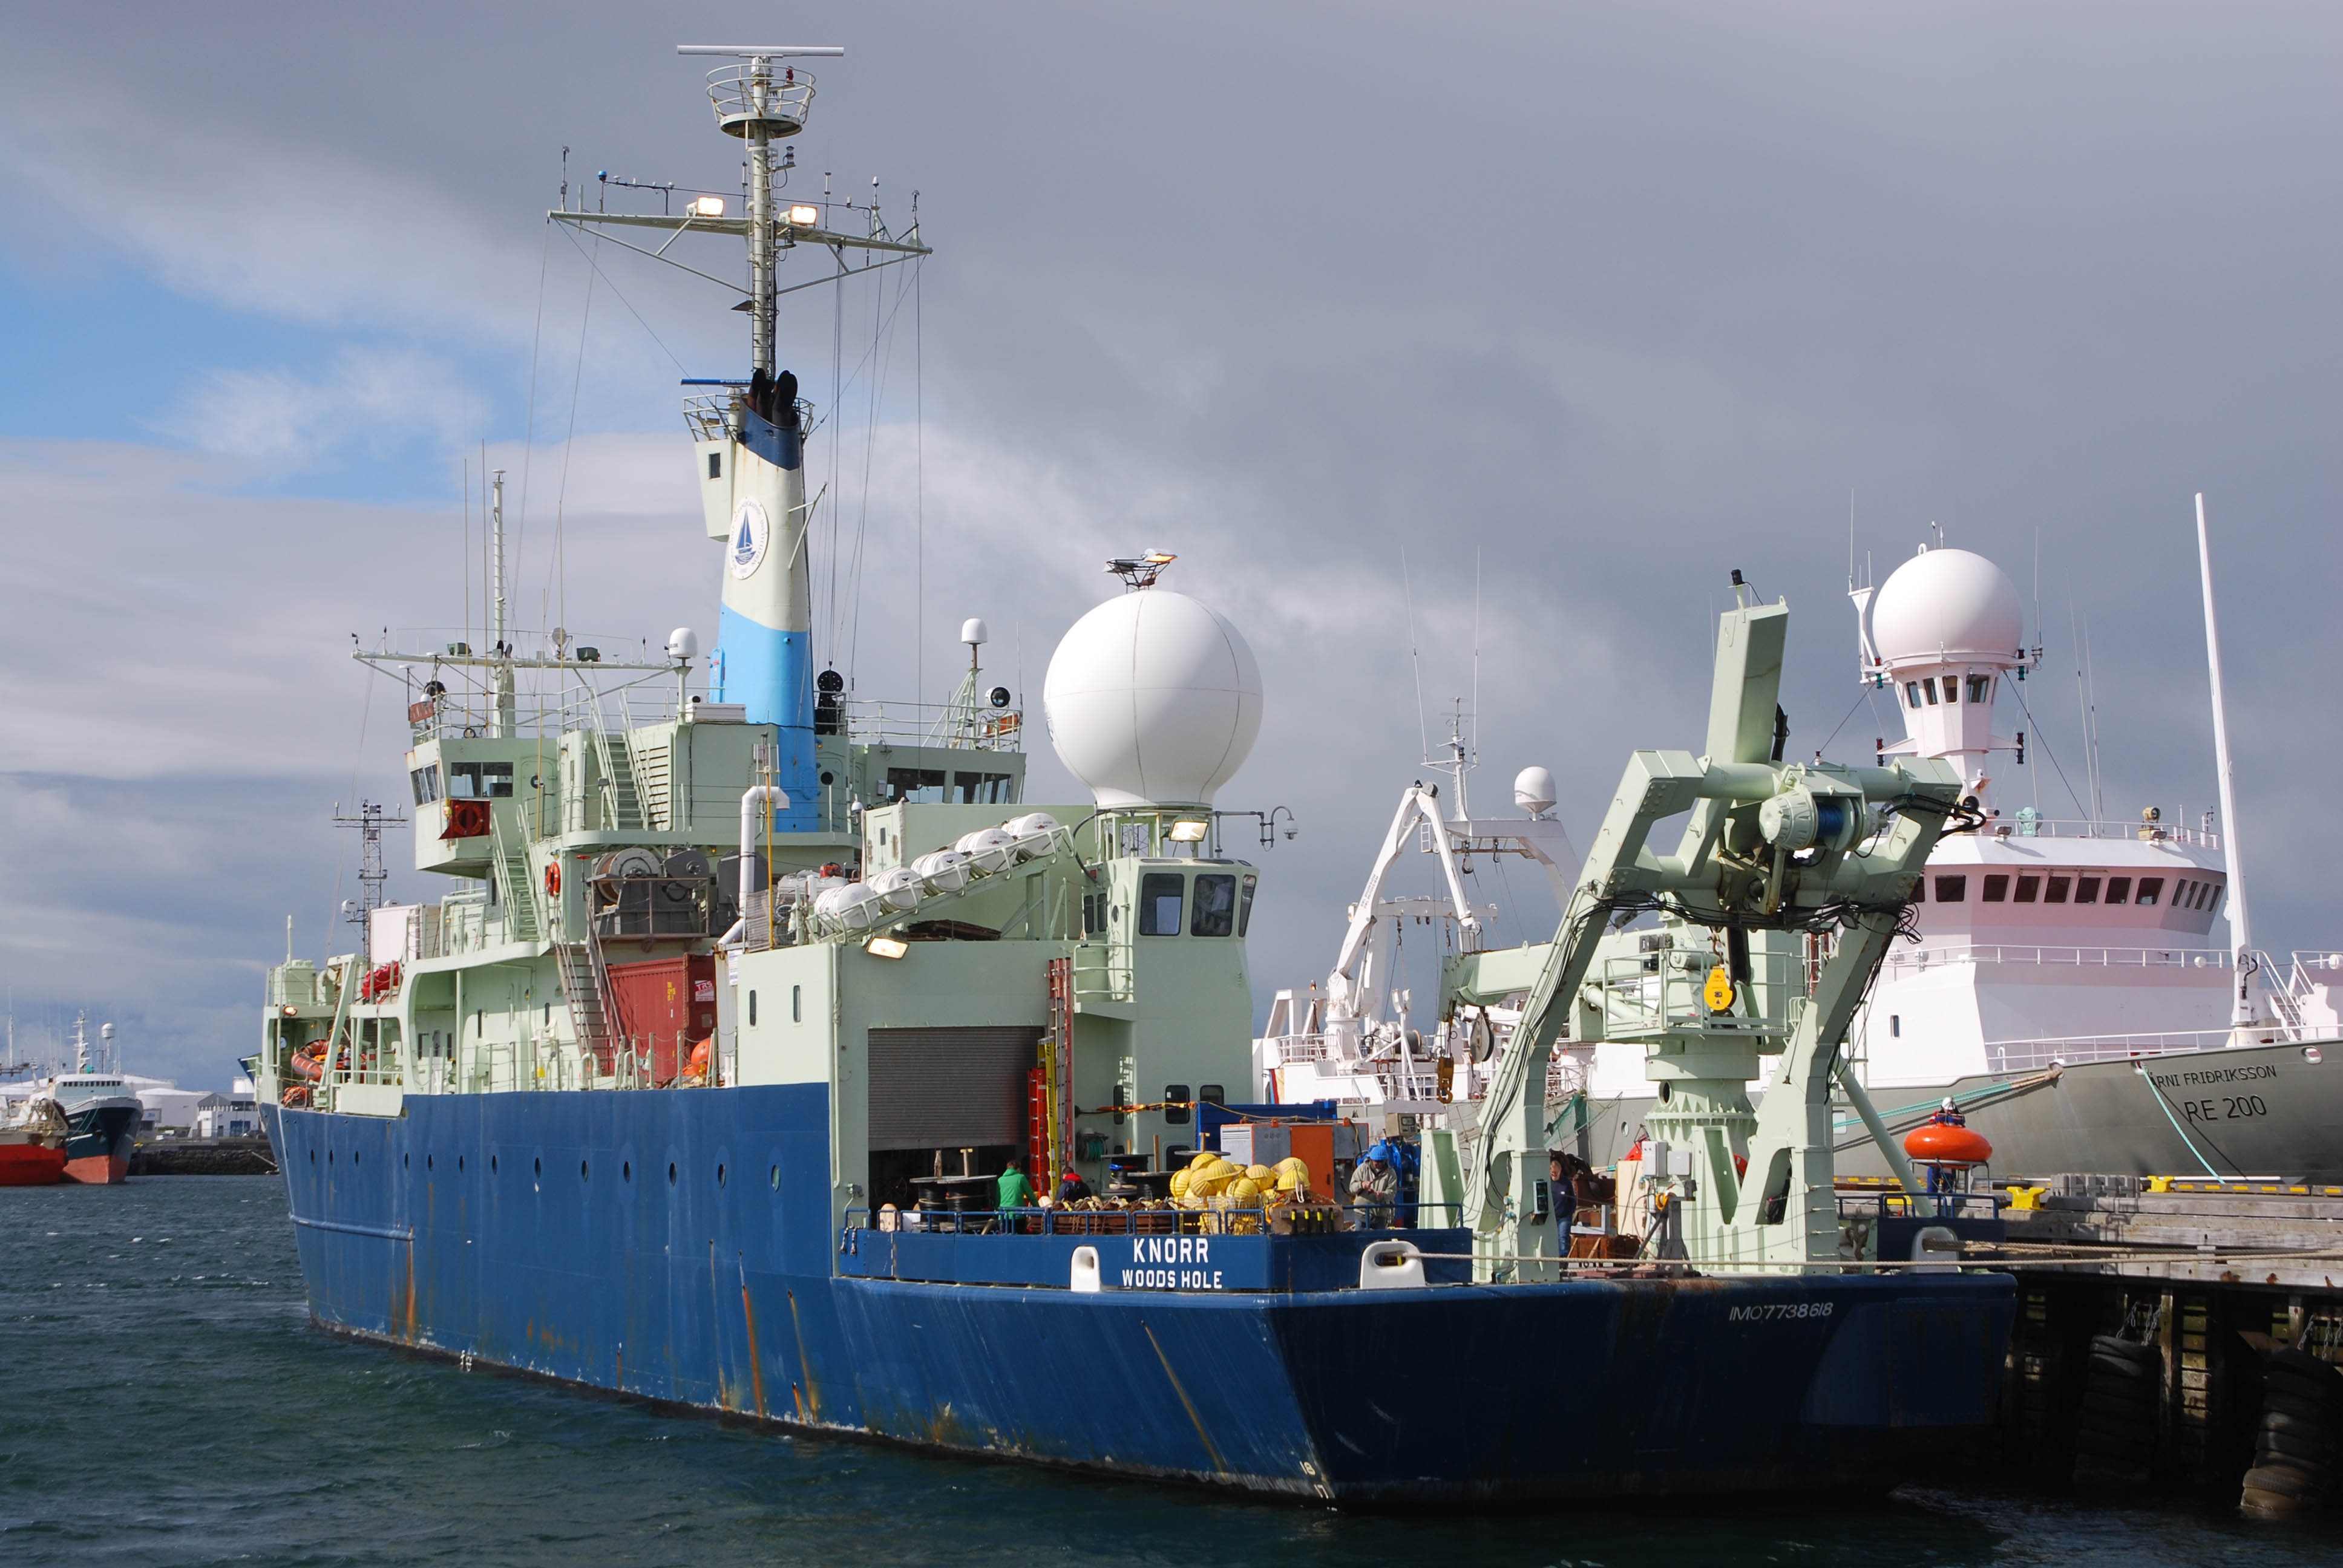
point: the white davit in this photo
(1154, 700)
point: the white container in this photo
(1035, 833)
(898, 890)
(944, 871)
(989, 850)
(854, 906)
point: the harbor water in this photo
(168, 1403)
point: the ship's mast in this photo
(2245, 1007)
(760, 138)
(503, 724)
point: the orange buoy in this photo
(1941, 1143)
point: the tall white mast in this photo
(504, 724)
(2245, 999)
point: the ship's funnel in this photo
(753, 486)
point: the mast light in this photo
(708, 206)
(803, 217)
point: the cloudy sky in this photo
(1532, 319)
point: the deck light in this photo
(886, 947)
(708, 206)
(803, 217)
(1187, 832)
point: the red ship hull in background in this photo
(31, 1161)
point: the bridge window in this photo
(1159, 903)
(2057, 893)
(1244, 904)
(1980, 689)
(924, 786)
(2120, 889)
(1996, 890)
(1912, 692)
(1928, 691)
(2086, 889)
(1952, 684)
(427, 784)
(2150, 889)
(479, 780)
(984, 789)
(1951, 889)
(2028, 888)
(1215, 914)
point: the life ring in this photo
(553, 879)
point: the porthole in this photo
(313, 1157)
(581, 1169)
(428, 1161)
(407, 1162)
(625, 1170)
(776, 1178)
(330, 1156)
(671, 1172)
(492, 1164)
(355, 1156)
(537, 1167)
(459, 1165)
(720, 1175)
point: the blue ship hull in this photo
(678, 1246)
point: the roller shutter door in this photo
(949, 1088)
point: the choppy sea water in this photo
(164, 1401)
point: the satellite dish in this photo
(1534, 790)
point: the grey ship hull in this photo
(2261, 1110)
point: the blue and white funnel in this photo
(753, 489)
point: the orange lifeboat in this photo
(1943, 1143)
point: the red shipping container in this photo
(666, 1006)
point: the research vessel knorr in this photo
(702, 1082)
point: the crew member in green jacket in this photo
(1016, 1193)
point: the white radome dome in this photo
(1948, 605)
(1154, 700)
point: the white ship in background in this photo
(2087, 990)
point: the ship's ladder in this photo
(517, 892)
(586, 990)
(622, 807)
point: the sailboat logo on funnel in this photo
(751, 532)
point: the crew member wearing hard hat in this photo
(1374, 1185)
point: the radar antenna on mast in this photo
(1141, 571)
